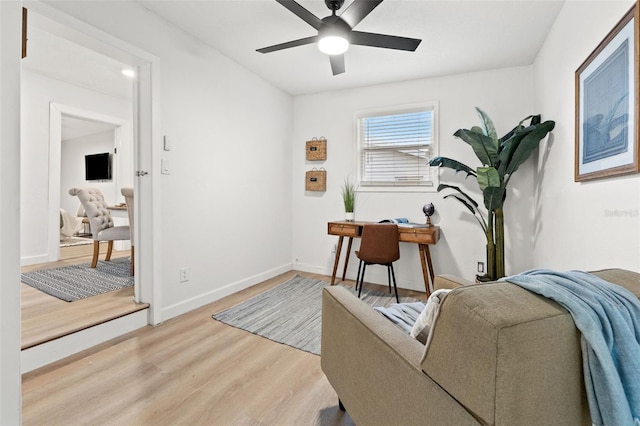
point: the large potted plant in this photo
(500, 158)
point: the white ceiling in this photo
(58, 58)
(457, 37)
(61, 59)
(73, 128)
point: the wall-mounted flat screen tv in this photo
(97, 166)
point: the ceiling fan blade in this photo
(337, 64)
(358, 10)
(385, 41)
(302, 13)
(294, 43)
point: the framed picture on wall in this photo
(607, 105)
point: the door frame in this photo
(122, 135)
(147, 142)
(10, 378)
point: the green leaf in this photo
(489, 128)
(509, 146)
(469, 202)
(493, 197)
(535, 119)
(488, 176)
(483, 146)
(457, 188)
(452, 164)
(467, 205)
(528, 144)
(473, 211)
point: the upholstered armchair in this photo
(100, 221)
(128, 197)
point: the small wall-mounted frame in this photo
(317, 149)
(607, 105)
(316, 180)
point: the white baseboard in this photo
(34, 260)
(46, 353)
(314, 269)
(188, 305)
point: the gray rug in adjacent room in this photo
(291, 313)
(76, 282)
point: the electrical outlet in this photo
(481, 267)
(184, 275)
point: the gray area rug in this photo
(291, 313)
(76, 282)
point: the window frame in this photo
(396, 110)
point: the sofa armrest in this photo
(375, 367)
(450, 282)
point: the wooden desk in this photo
(421, 236)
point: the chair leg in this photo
(132, 257)
(340, 405)
(364, 268)
(394, 282)
(358, 276)
(389, 276)
(96, 251)
(109, 250)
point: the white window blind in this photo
(395, 148)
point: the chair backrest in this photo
(128, 197)
(95, 207)
(379, 243)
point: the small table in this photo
(120, 217)
(118, 211)
(423, 236)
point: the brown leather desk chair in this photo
(378, 246)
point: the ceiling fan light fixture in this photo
(333, 45)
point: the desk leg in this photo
(431, 273)
(427, 267)
(346, 259)
(337, 260)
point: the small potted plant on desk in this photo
(349, 199)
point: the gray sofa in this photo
(499, 355)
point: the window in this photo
(395, 146)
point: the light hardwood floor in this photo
(190, 370)
(45, 317)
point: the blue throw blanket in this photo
(608, 316)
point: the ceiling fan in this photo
(335, 32)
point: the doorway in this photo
(74, 133)
(134, 135)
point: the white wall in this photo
(72, 172)
(10, 396)
(226, 206)
(37, 93)
(505, 94)
(594, 224)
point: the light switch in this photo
(165, 167)
(165, 144)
